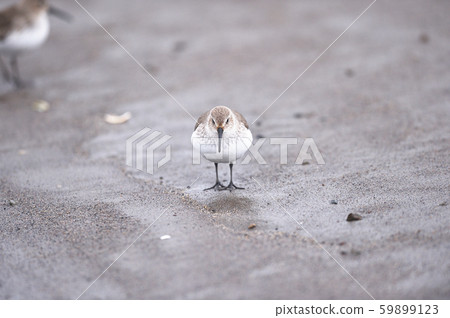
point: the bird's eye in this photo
(213, 121)
(228, 120)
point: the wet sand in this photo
(376, 104)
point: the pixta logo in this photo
(142, 147)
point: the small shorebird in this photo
(23, 27)
(221, 135)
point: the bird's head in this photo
(220, 119)
(35, 5)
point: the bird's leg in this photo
(231, 186)
(5, 72)
(218, 185)
(15, 73)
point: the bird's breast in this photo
(234, 146)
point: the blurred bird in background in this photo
(24, 27)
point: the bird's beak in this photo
(220, 133)
(60, 14)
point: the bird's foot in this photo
(217, 187)
(232, 187)
(6, 77)
(20, 84)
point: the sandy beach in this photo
(376, 104)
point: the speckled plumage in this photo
(20, 16)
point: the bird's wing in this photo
(12, 18)
(200, 119)
(241, 118)
(6, 22)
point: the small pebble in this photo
(12, 202)
(252, 226)
(424, 38)
(353, 217)
(165, 237)
(443, 204)
(349, 72)
(179, 46)
(151, 68)
(355, 252)
(333, 202)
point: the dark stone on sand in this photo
(179, 46)
(333, 202)
(424, 38)
(353, 217)
(355, 252)
(151, 69)
(349, 72)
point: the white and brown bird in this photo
(222, 135)
(24, 27)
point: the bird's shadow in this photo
(230, 203)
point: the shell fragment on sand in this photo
(41, 106)
(117, 119)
